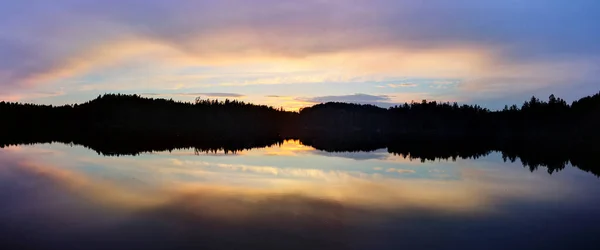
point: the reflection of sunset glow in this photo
(293, 195)
(190, 152)
(288, 148)
(101, 191)
(476, 191)
(13, 149)
(466, 195)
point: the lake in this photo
(288, 196)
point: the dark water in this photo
(55, 196)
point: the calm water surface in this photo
(56, 196)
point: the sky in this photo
(294, 54)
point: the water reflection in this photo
(289, 196)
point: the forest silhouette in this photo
(544, 133)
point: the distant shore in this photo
(541, 133)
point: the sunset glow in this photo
(294, 54)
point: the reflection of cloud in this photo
(400, 171)
(222, 207)
(473, 193)
(103, 192)
(291, 215)
(40, 195)
(478, 189)
(187, 152)
(267, 170)
(379, 154)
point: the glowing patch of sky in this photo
(500, 52)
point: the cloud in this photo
(29, 96)
(466, 39)
(215, 94)
(384, 101)
(196, 94)
(356, 98)
(276, 96)
(402, 85)
(444, 82)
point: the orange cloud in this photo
(479, 68)
(24, 96)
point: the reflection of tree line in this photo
(553, 160)
(541, 133)
(121, 143)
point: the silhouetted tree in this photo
(541, 133)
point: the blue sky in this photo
(297, 53)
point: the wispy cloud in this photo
(29, 95)
(356, 98)
(215, 94)
(364, 38)
(380, 154)
(384, 101)
(402, 85)
(444, 82)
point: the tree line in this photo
(116, 124)
(148, 116)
